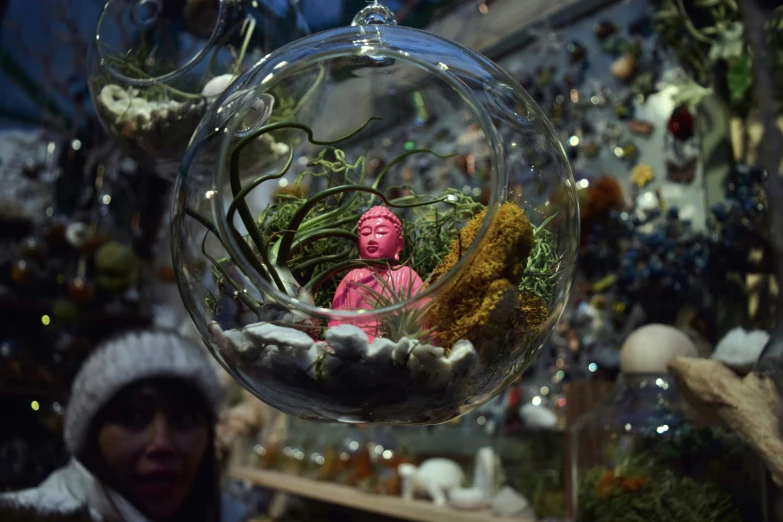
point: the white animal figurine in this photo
(487, 474)
(434, 477)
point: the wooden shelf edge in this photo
(416, 510)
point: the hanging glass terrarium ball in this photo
(336, 289)
(155, 66)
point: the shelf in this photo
(416, 510)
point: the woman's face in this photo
(152, 441)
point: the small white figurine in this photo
(434, 477)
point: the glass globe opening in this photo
(369, 75)
(140, 41)
(346, 259)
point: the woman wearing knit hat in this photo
(140, 426)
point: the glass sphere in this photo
(155, 66)
(643, 454)
(375, 224)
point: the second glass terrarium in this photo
(643, 454)
(155, 66)
(375, 225)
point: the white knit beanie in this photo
(124, 360)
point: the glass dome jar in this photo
(155, 66)
(642, 454)
(409, 288)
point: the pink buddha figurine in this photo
(380, 237)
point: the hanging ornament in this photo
(80, 291)
(115, 264)
(33, 248)
(640, 127)
(590, 149)
(610, 131)
(576, 51)
(681, 124)
(605, 29)
(613, 46)
(642, 175)
(641, 27)
(626, 151)
(21, 272)
(77, 234)
(624, 110)
(379, 298)
(624, 67)
(681, 173)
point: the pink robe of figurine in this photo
(380, 237)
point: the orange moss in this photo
(632, 483)
(603, 194)
(486, 291)
(609, 481)
(604, 485)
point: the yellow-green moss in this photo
(486, 291)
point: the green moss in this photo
(429, 233)
(638, 490)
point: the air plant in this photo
(136, 63)
(406, 322)
(542, 267)
(298, 245)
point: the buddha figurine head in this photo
(380, 234)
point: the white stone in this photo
(381, 347)
(231, 340)
(429, 362)
(114, 99)
(281, 336)
(139, 111)
(216, 86)
(347, 341)
(462, 358)
(402, 351)
(160, 113)
(740, 349)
